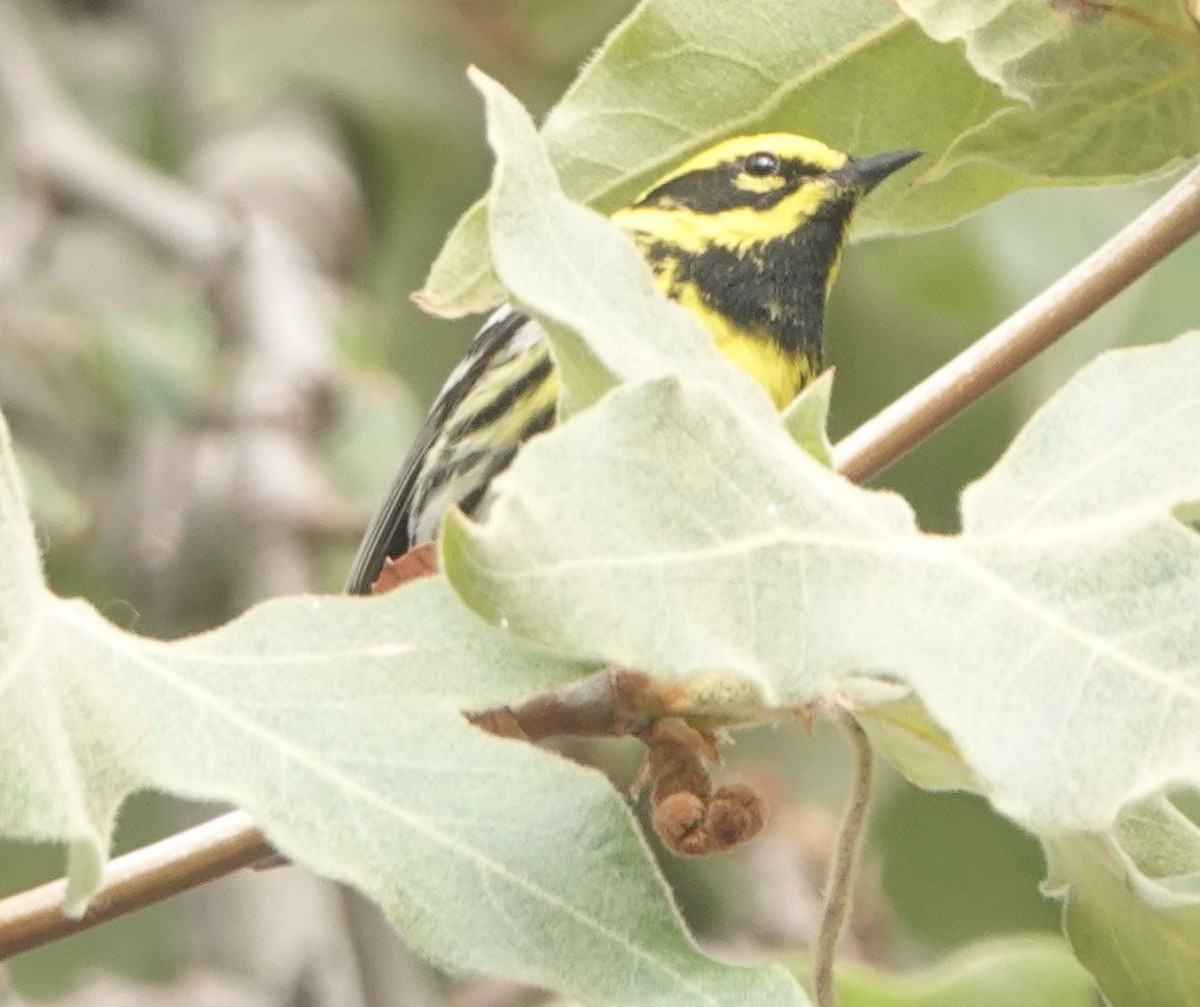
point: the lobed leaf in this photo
(335, 722)
(1117, 439)
(1052, 646)
(688, 539)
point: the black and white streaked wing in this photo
(499, 395)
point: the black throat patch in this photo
(775, 287)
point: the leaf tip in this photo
(85, 872)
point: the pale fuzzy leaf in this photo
(1053, 645)
(1140, 939)
(710, 514)
(335, 723)
(666, 533)
(1160, 840)
(1086, 455)
(558, 260)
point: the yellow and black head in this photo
(748, 234)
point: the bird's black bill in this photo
(870, 171)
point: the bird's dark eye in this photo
(762, 164)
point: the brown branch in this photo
(1133, 251)
(144, 876)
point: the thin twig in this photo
(1148, 239)
(136, 879)
(838, 889)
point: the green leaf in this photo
(676, 76)
(1101, 95)
(1091, 77)
(1139, 937)
(335, 722)
(549, 252)
(807, 418)
(1160, 840)
(1011, 972)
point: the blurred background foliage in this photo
(102, 339)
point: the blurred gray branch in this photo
(270, 221)
(54, 147)
(257, 230)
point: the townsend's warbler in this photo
(747, 235)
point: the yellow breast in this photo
(780, 373)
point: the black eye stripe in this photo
(802, 169)
(716, 189)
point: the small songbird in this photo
(747, 235)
